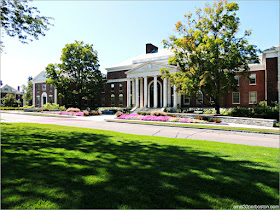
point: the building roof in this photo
(272, 48)
(161, 56)
(9, 89)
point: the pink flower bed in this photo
(154, 118)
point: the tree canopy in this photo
(20, 20)
(78, 77)
(209, 52)
(27, 95)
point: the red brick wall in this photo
(39, 93)
(271, 79)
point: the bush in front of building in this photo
(11, 108)
(71, 109)
(10, 101)
(158, 113)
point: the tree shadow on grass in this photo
(87, 170)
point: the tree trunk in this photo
(217, 108)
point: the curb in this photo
(177, 126)
(40, 115)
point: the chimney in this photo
(18, 88)
(151, 48)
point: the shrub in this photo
(71, 109)
(29, 107)
(204, 118)
(198, 118)
(217, 120)
(10, 100)
(62, 108)
(158, 113)
(119, 113)
(208, 112)
(179, 110)
(11, 108)
(86, 113)
(168, 109)
(184, 111)
(211, 119)
(79, 114)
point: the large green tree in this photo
(10, 100)
(209, 52)
(19, 19)
(27, 95)
(78, 77)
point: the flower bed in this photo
(71, 113)
(158, 118)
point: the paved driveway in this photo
(97, 122)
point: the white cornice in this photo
(119, 68)
(117, 80)
(256, 67)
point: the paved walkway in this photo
(97, 122)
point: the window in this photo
(252, 79)
(38, 100)
(6, 88)
(38, 88)
(237, 79)
(121, 87)
(187, 100)
(112, 100)
(96, 101)
(112, 75)
(50, 99)
(44, 87)
(199, 97)
(51, 87)
(121, 74)
(235, 98)
(253, 97)
(112, 87)
(103, 101)
(121, 99)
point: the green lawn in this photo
(196, 126)
(51, 166)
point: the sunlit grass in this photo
(50, 166)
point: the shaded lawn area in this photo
(51, 166)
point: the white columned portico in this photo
(55, 95)
(137, 91)
(168, 93)
(179, 100)
(133, 92)
(128, 92)
(34, 97)
(164, 92)
(141, 92)
(175, 97)
(155, 92)
(145, 91)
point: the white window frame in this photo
(185, 97)
(120, 87)
(238, 97)
(51, 96)
(120, 96)
(51, 87)
(113, 96)
(112, 87)
(44, 87)
(38, 97)
(236, 77)
(250, 97)
(38, 88)
(255, 75)
(199, 93)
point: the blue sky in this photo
(119, 30)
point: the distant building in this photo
(9, 89)
(137, 82)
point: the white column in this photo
(145, 91)
(179, 99)
(128, 92)
(164, 92)
(34, 96)
(155, 92)
(137, 92)
(141, 92)
(55, 95)
(133, 92)
(168, 93)
(175, 97)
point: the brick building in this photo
(137, 82)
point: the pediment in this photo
(149, 67)
(41, 76)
